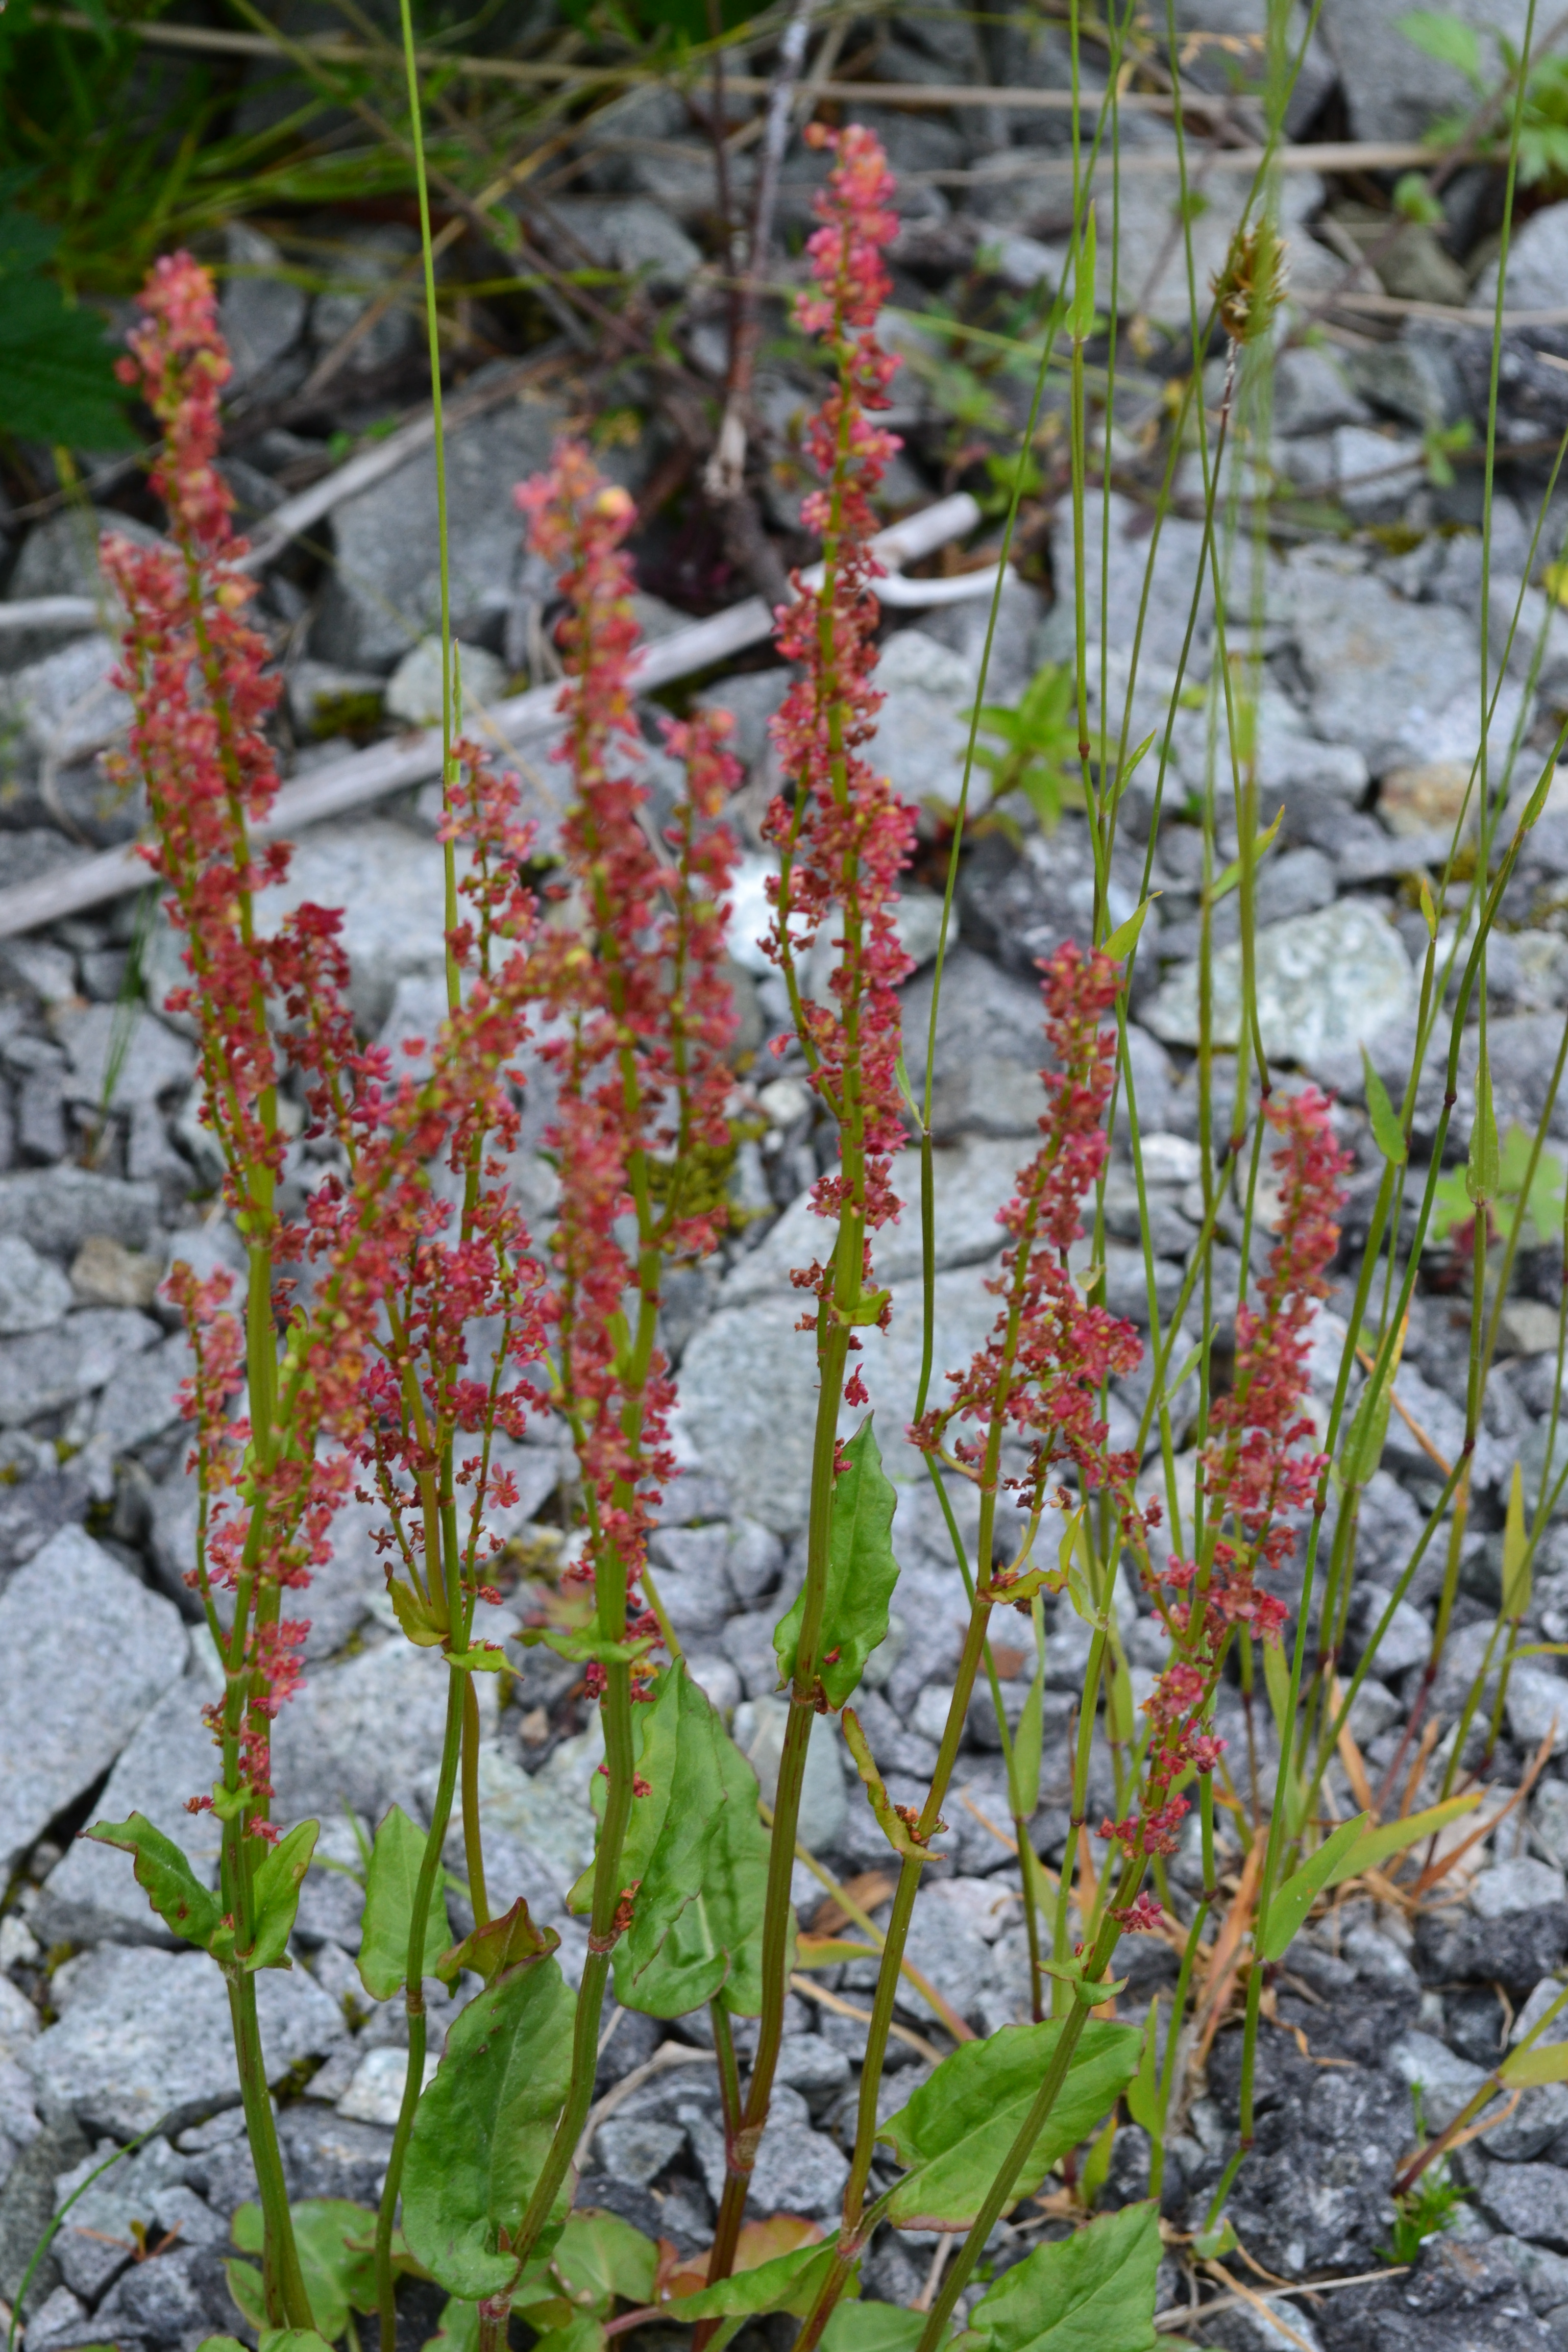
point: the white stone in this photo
(375, 2094)
(85, 1652)
(141, 2031)
(758, 1733)
(33, 1293)
(1327, 984)
(972, 1180)
(1537, 1705)
(414, 691)
(1519, 1885)
(1537, 263)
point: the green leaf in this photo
(1483, 1172)
(581, 1648)
(292, 2340)
(277, 1892)
(1096, 2167)
(336, 2241)
(459, 2327)
(1414, 200)
(1229, 876)
(1093, 2292)
(1386, 1131)
(422, 1624)
(502, 1944)
(1125, 938)
(960, 2124)
(1143, 2090)
(391, 1883)
(1516, 1576)
(1544, 2061)
(890, 1820)
(788, 2283)
(700, 1853)
(1441, 35)
(174, 1890)
(220, 2344)
(1080, 309)
(482, 2130)
(872, 2327)
(1294, 1899)
(861, 1574)
(245, 2287)
(600, 2256)
(56, 370)
(1378, 1845)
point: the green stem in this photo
(283, 2281)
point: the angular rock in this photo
(142, 2033)
(1327, 984)
(1515, 1952)
(1399, 681)
(177, 2297)
(383, 593)
(413, 689)
(1537, 263)
(973, 1180)
(34, 1294)
(758, 1731)
(923, 727)
(747, 1391)
(637, 2149)
(988, 1049)
(56, 1209)
(1391, 89)
(42, 1371)
(1521, 1884)
(153, 1062)
(106, 1273)
(60, 1724)
(328, 1747)
(263, 317)
(1528, 2199)
(143, 1397)
(92, 1895)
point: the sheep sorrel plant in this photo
(1165, 1491)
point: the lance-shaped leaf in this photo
(277, 1891)
(861, 1574)
(1028, 1740)
(1093, 2292)
(1295, 1898)
(789, 2283)
(1377, 1846)
(890, 1820)
(960, 2122)
(391, 1886)
(1483, 1170)
(699, 1855)
(1386, 1131)
(174, 1890)
(1544, 2061)
(584, 1647)
(502, 1944)
(482, 2130)
(1143, 2090)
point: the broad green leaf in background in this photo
(789, 2283)
(580, 2333)
(390, 1885)
(600, 2256)
(861, 1574)
(336, 2242)
(174, 1890)
(699, 1853)
(873, 2328)
(1143, 2090)
(960, 2124)
(290, 2339)
(1294, 1899)
(56, 366)
(1093, 2292)
(276, 1889)
(482, 2130)
(459, 2327)
(500, 1944)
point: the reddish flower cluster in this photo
(1255, 1469)
(847, 835)
(193, 668)
(643, 1014)
(1040, 1372)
